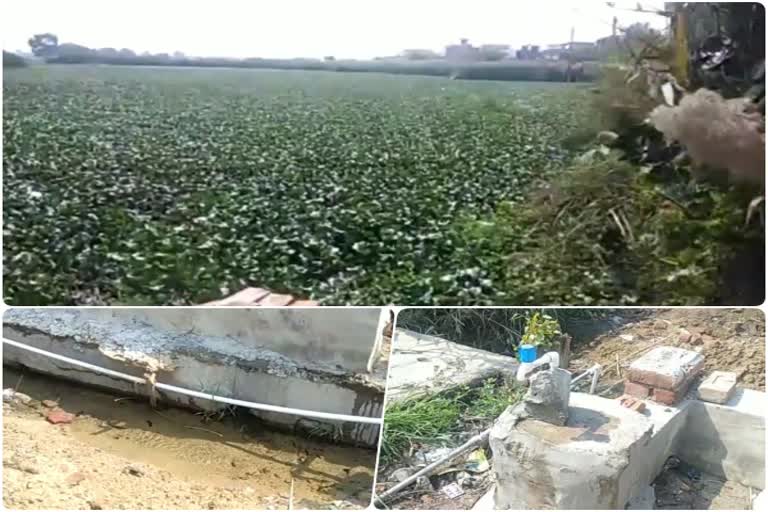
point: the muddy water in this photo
(230, 452)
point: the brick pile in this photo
(664, 374)
(262, 297)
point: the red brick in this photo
(246, 297)
(666, 367)
(57, 416)
(304, 304)
(632, 403)
(636, 390)
(276, 300)
(685, 336)
(666, 397)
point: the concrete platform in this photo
(728, 440)
(243, 354)
(604, 456)
(607, 455)
(422, 364)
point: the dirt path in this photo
(126, 455)
(730, 339)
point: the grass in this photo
(174, 186)
(438, 420)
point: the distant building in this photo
(528, 52)
(495, 51)
(463, 52)
(563, 50)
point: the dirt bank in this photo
(730, 340)
(123, 454)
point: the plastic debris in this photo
(453, 491)
(477, 462)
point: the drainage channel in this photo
(119, 452)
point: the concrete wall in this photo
(338, 337)
(137, 342)
(728, 440)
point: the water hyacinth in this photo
(164, 186)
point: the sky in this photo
(306, 28)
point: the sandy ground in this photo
(730, 340)
(125, 455)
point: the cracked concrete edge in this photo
(145, 347)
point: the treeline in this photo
(513, 70)
(46, 46)
(11, 60)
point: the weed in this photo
(441, 418)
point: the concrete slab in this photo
(138, 342)
(728, 440)
(666, 367)
(422, 364)
(718, 387)
(329, 339)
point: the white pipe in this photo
(198, 394)
(551, 358)
(595, 368)
(595, 377)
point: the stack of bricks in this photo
(664, 374)
(261, 297)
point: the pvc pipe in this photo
(551, 358)
(479, 439)
(198, 394)
(595, 368)
(593, 385)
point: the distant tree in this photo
(179, 55)
(44, 45)
(74, 52)
(126, 53)
(420, 55)
(11, 60)
(329, 58)
(109, 53)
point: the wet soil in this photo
(120, 453)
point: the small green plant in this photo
(440, 418)
(541, 330)
(492, 399)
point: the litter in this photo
(477, 462)
(452, 490)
